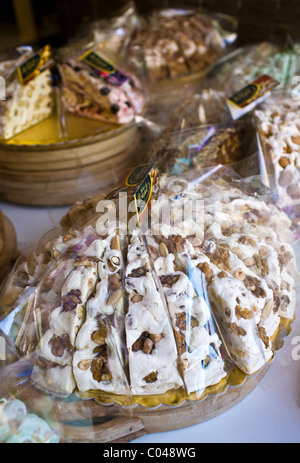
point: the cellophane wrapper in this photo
(159, 313)
(24, 103)
(277, 125)
(168, 43)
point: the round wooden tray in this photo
(86, 421)
(80, 418)
(9, 250)
(38, 168)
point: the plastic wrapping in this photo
(168, 43)
(247, 63)
(206, 104)
(242, 235)
(277, 122)
(93, 86)
(17, 426)
(161, 314)
(114, 35)
(102, 320)
(199, 147)
(28, 97)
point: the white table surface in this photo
(270, 414)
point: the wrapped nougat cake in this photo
(28, 98)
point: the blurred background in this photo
(24, 21)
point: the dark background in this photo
(24, 21)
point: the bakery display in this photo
(26, 103)
(175, 307)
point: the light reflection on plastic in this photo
(2, 349)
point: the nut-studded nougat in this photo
(151, 345)
(99, 362)
(197, 341)
(24, 105)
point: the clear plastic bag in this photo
(277, 124)
(87, 289)
(114, 34)
(245, 64)
(28, 86)
(202, 146)
(95, 85)
(243, 235)
(167, 43)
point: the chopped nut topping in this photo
(247, 240)
(227, 311)
(239, 275)
(267, 309)
(153, 252)
(86, 261)
(163, 250)
(284, 161)
(148, 346)
(263, 335)
(100, 335)
(180, 341)
(138, 272)
(204, 267)
(284, 302)
(181, 321)
(59, 344)
(151, 378)
(222, 274)
(115, 260)
(238, 329)
(169, 280)
(84, 365)
(221, 258)
(114, 297)
(253, 285)
(156, 337)
(136, 298)
(146, 342)
(71, 300)
(243, 313)
(100, 371)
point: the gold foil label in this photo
(35, 65)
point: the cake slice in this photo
(64, 293)
(58, 342)
(185, 291)
(152, 352)
(89, 94)
(238, 298)
(99, 362)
